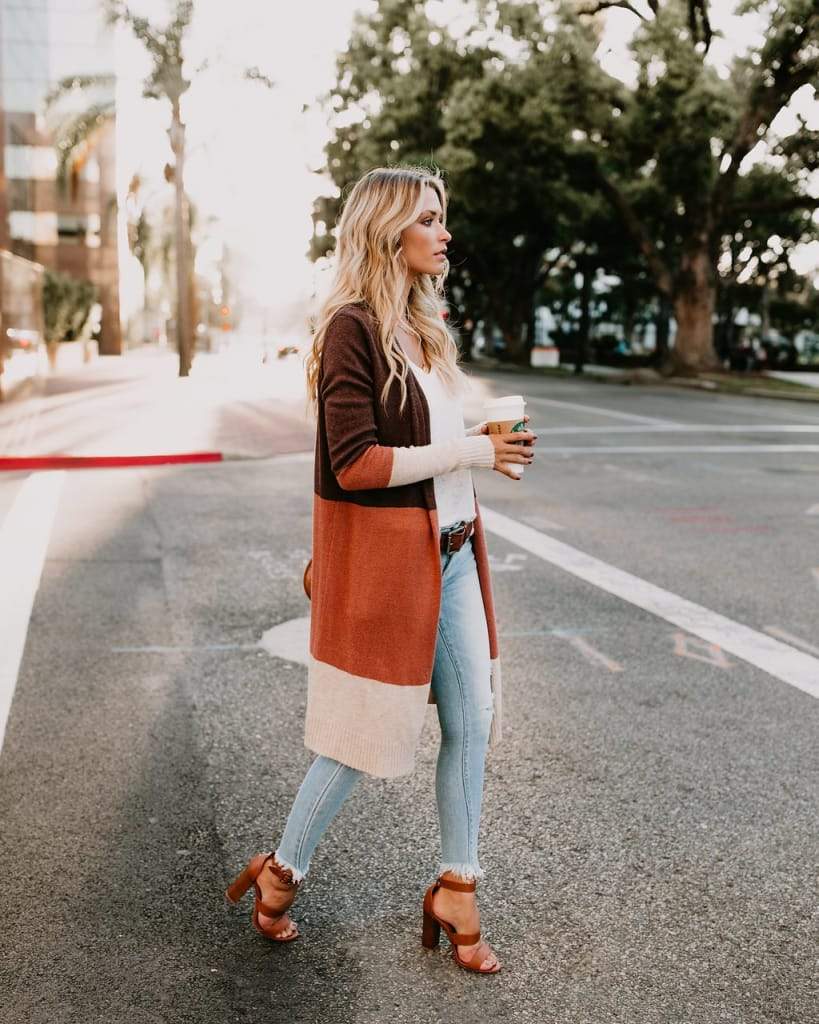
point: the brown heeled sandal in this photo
(433, 924)
(236, 890)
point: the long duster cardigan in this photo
(376, 573)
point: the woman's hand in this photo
(512, 448)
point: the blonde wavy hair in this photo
(370, 269)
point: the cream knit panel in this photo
(429, 460)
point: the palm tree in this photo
(165, 81)
(76, 134)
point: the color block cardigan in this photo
(376, 573)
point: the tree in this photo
(531, 129)
(688, 132)
(166, 81)
(76, 133)
(755, 256)
(67, 303)
(408, 90)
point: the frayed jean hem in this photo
(466, 872)
(298, 876)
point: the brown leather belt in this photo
(453, 539)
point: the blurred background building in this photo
(66, 222)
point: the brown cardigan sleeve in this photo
(346, 392)
(358, 461)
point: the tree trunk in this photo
(694, 300)
(514, 335)
(52, 347)
(662, 325)
(183, 333)
(765, 310)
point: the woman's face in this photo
(424, 242)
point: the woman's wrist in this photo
(476, 452)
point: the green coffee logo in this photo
(518, 427)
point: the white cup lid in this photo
(514, 401)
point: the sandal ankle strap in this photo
(449, 883)
(285, 874)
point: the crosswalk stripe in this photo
(24, 538)
(772, 656)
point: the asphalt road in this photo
(649, 831)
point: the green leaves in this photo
(66, 305)
(545, 151)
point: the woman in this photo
(402, 609)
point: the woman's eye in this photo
(427, 222)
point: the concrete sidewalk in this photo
(809, 379)
(137, 405)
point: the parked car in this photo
(747, 354)
(807, 346)
(781, 352)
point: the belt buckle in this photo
(454, 533)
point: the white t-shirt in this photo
(453, 491)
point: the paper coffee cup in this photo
(505, 416)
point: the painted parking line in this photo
(596, 410)
(677, 449)
(765, 652)
(789, 638)
(689, 428)
(24, 538)
(594, 656)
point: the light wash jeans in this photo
(460, 681)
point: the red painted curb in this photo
(103, 461)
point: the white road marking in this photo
(686, 646)
(644, 449)
(17, 431)
(595, 410)
(24, 538)
(593, 655)
(789, 638)
(813, 511)
(166, 649)
(688, 428)
(510, 563)
(772, 656)
(562, 633)
(540, 523)
(289, 640)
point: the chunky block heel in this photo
(433, 924)
(431, 933)
(236, 890)
(249, 876)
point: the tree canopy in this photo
(553, 162)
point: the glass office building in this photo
(71, 227)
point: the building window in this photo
(79, 228)
(39, 162)
(37, 228)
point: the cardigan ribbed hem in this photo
(358, 750)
